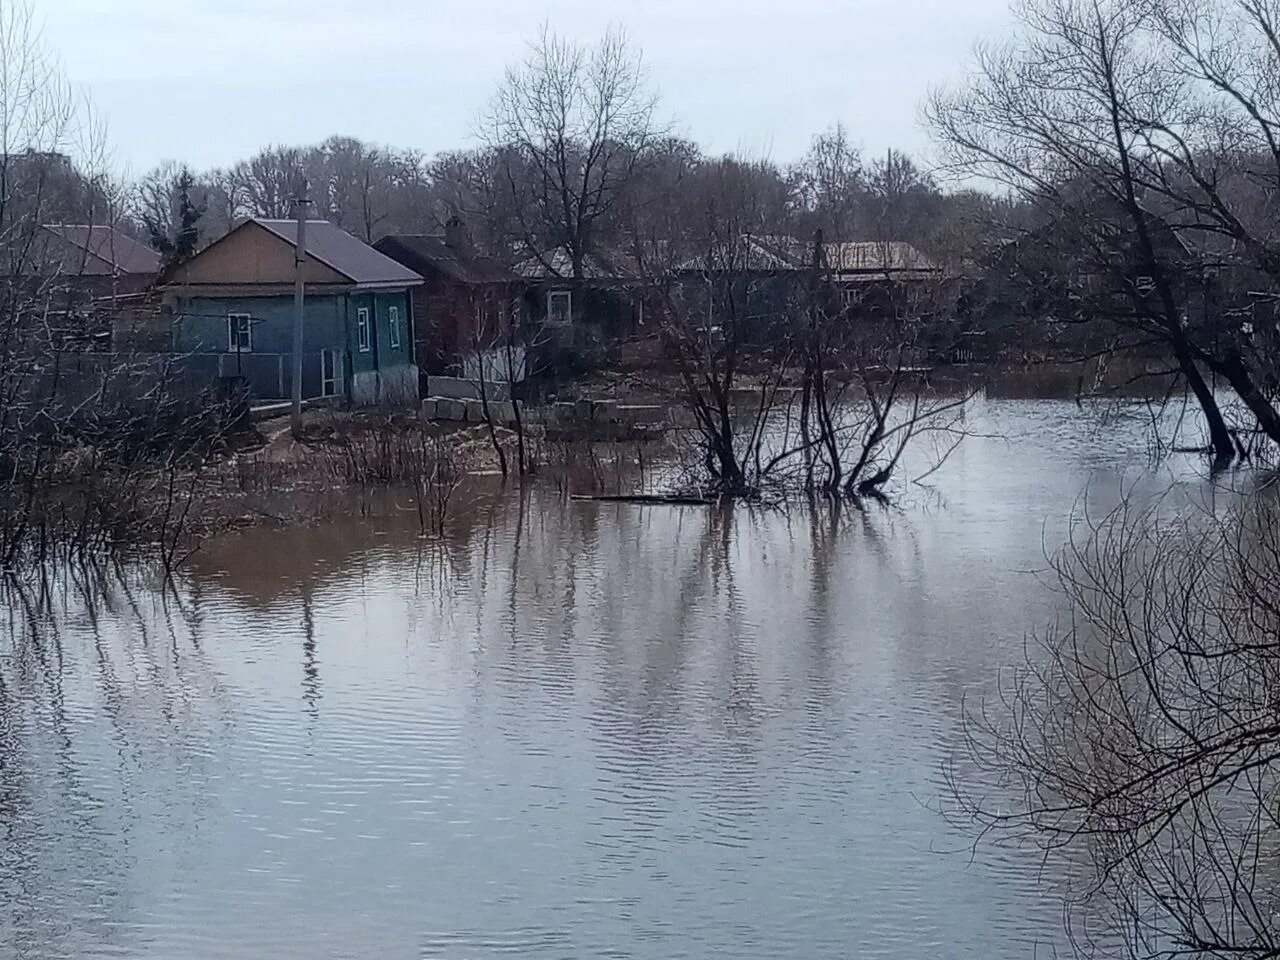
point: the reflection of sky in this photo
(590, 728)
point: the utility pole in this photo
(299, 306)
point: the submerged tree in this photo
(1140, 738)
(1126, 121)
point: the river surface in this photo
(572, 729)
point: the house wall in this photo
(603, 310)
(201, 323)
(381, 355)
(382, 373)
(449, 315)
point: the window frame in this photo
(364, 330)
(329, 385)
(239, 332)
(552, 296)
(393, 327)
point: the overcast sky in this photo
(211, 81)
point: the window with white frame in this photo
(328, 373)
(393, 326)
(559, 307)
(362, 329)
(239, 333)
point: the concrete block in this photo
(449, 409)
(584, 409)
(502, 411)
(642, 414)
(458, 388)
(429, 408)
(475, 411)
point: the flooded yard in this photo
(570, 729)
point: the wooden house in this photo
(468, 304)
(95, 267)
(582, 321)
(234, 301)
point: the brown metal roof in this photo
(336, 248)
(115, 250)
(428, 251)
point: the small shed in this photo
(235, 299)
(97, 267)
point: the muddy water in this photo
(570, 730)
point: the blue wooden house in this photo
(234, 300)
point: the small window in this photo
(239, 333)
(393, 326)
(559, 307)
(362, 329)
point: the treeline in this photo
(574, 154)
(372, 191)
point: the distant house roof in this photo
(850, 260)
(104, 249)
(558, 264)
(351, 257)
(427, 251)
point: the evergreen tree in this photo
(178, 237)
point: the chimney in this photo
(456, 235)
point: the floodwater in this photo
(573, 729)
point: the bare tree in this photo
(1066, 108)
(1139, 740)
(570, 126)
(830, 184)
(95, 454)
(793, 382)
(266, 184)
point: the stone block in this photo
(448, 408)
(502, 411)
(642, 414)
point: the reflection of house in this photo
(468, 302)
(234, 301)
(94, 265)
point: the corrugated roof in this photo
(850, 258)
(424, 251)
(351, 257)
(116, 250)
